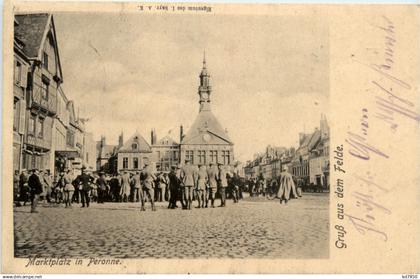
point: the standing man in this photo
(222, 179)
(24, 187)
(125, 187)
(235, 187)
(189, 176)
(101, 183)
(174, 185)
(138, 193)
(35, 187)
(84, 180)
(201, 185)
(48, 184)
(286, 183)
(16, 188)
(212, 184)
(148, 187)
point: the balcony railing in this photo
(49, 104)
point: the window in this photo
(213, 156)
(125, 163)
(70, 138)
(87, 157)
(189, 155)
(201, 156)
(225, 157)
(158, 155)
(135, 163)
(175, 155)
(45, 60)
(134, 146)
(31, 125)
(16, 114)
(18, 73)
(41, 128)
(45, 89)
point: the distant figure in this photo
(125, 187)
(212, 173)
(35, 187)
(222, 179)
(138, 193)
(84, 180)
(102, 187)
(148, 187)
(286, 183)
(24, 187)
(174, 185)
(68, 188)
(188, 174)
(201, 185)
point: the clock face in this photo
(205, 96)
(206, 137)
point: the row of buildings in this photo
(205, 142)
(48, 134)
(308, 163)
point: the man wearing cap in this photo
(222, 179)
(148, 187)
(189, 177)
(36, 189)
(174, 184)
(24, 187)
(84, 180)
(138, 193)
(202, 178)
(125, 187)
(212, 184)
(102, 187)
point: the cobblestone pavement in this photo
(254, 228)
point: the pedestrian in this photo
(68, 188)
(222, 181)
(24, 187)
(212, 184)
(138, 193)
(285, 186)
(125, 187)
(148, 187)
(160, 187)
(101, 187)
(35, 187)
(202, 179)
(174, 184)
(84, 181)
(188, 174)
(235, 187)
(16, 188)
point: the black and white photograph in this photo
(170, 137)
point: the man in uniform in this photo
(189, 177)
(174, 184)
(212, 184)
(138, 193)
(36, 189)
(222, 179)
(84, 180)
(148, 187)
(201, 185)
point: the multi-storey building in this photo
(37, 33)
(165, 152)
(20, 74)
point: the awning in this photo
(69, 154)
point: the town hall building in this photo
(206, 141)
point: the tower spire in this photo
(204, 90)
(204, 59)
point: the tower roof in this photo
(205, 122)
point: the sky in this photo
(135, 72)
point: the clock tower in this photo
(204, 90)
(206, 141)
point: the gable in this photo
(205, 122)
(206, 138)
(135, 143)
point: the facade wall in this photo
(165, 156)
(206, 154)
(126, 160)
(89, 151)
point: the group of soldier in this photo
(183, 184)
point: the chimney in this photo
(121, 140)
(103, 142)
(153, 137)
(181, 133)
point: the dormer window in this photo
(134, 146)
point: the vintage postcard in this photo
(210, 138)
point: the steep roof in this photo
(142, 145)
(205, 122)
(105, 151)
(166, 140)
(30, 30)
